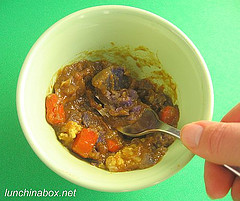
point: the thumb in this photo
(216, 142)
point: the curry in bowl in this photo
(86, 90)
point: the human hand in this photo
(218, 143)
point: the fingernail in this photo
(191, 134)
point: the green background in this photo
(212, 25)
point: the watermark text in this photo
(40, 193)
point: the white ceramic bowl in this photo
(94, 28)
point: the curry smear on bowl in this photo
(84, 91)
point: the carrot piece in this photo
(84, 142)
(112, 145)
(169, 115)
(54, 110)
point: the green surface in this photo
(213, 26)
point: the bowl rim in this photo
(31, 53)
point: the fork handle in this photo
(234, 169)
